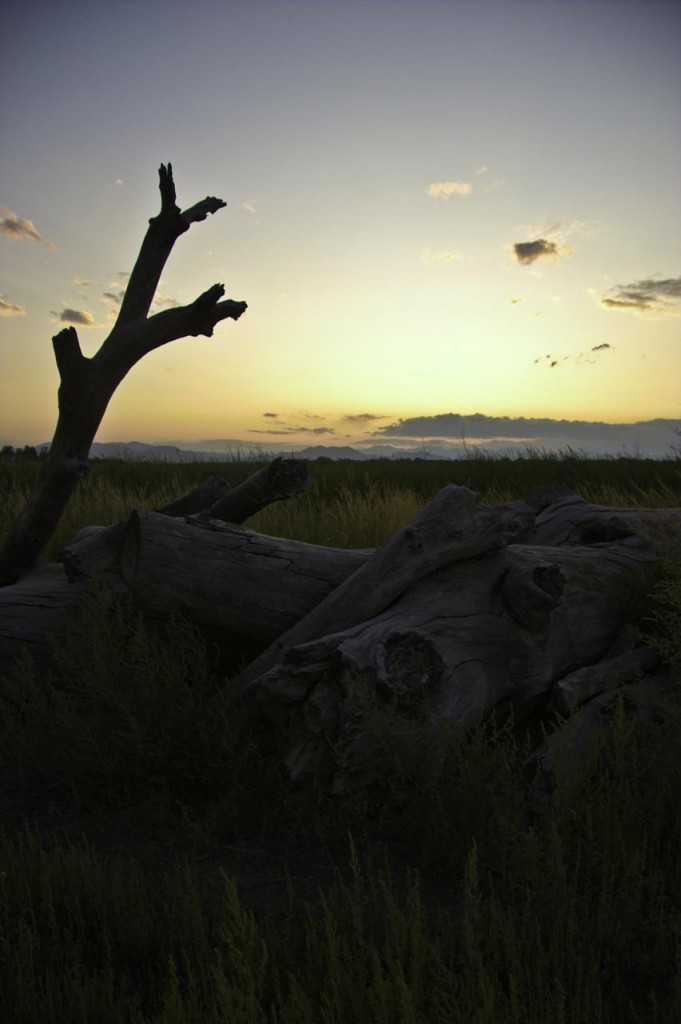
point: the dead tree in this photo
(467, 611)
(87, 384)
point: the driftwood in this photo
(500, 630)
(228, 577)
(469, 610)
(96, 548)
(36, 611)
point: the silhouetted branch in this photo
(87, 385)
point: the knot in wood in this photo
(408, 666)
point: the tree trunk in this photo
(87, 385)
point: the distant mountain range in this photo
(446, 436)
(137, 451)
(659, 443)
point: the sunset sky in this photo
(433, 207)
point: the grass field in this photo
(156, 864)
(350, 504)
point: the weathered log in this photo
(229, 577)
(36, 613)
(443, 624)
(572, 520)
(281, 479)
(98, 548)
(572, 740)
(208, 493)
(94, 549)
(454, 526)
(456, 645)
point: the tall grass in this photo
(350, 504)
(456, 896)
(573, 917)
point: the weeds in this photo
(455, 901)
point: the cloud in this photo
(75, 316)
(122, 277)
(440, 255)
(529, 252)
(477, 425)
(162, 301)
(362, 417)
(81, 282)
(446, 189)
(454, 435)
(296, 430)
(248, 205)
(652, 295)
(10, 309)
(15, 227)
(271, 415)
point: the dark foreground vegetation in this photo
(157, 865)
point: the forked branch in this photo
(87, 384)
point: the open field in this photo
(350, 504)
(156, 864)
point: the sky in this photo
(436, 210)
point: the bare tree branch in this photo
(87, 385)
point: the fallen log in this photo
(572, 520)
(501, 630)
(228, 577)
(361, 656)
(453, 527)
(97, 548)
(36, 610)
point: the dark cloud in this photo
(477, 425)
(15, 227)
(75, 316)
(528, 252)
(271, 415)
(362, 417)
(10, 309)
(458, 435)
(295, 430)
(658, 296)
